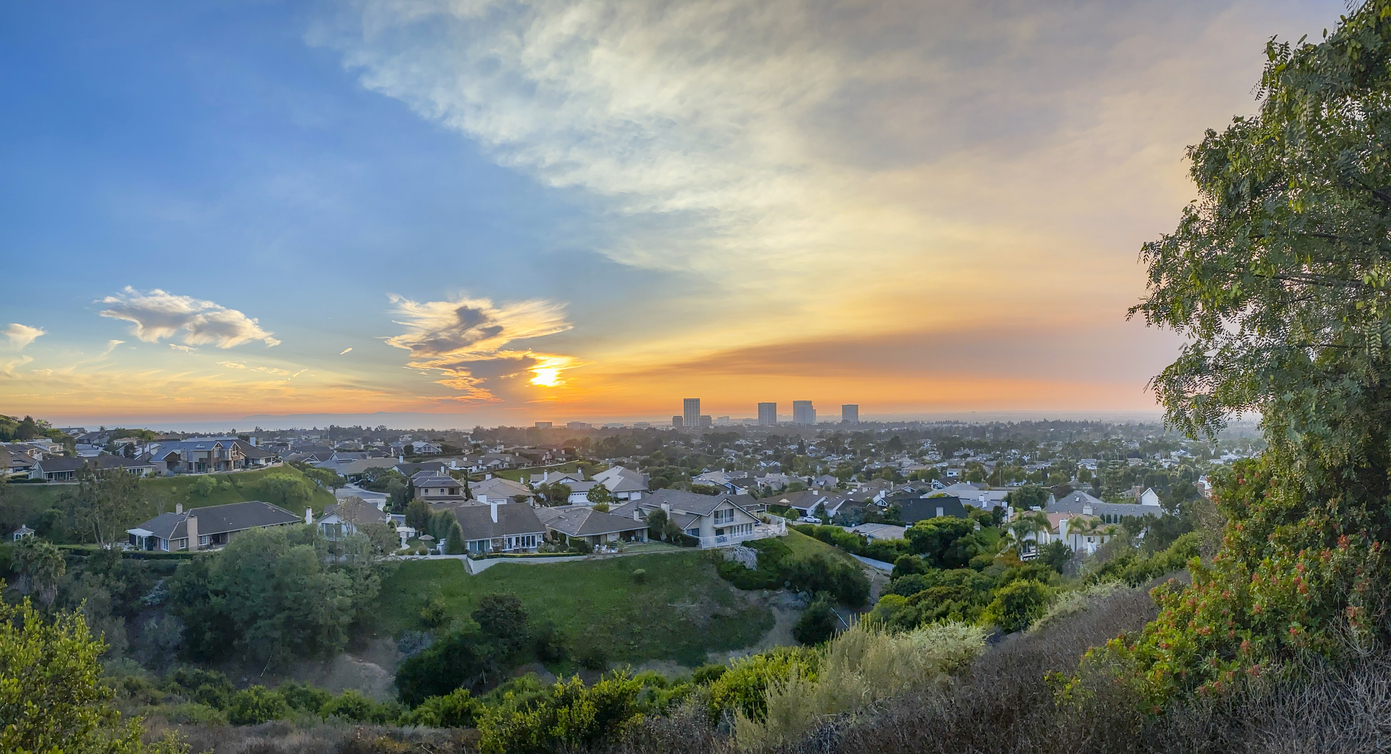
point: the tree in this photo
(40, 566)
(502, 618)
(461, 659)
(107, 502)
(51, 695)
(932, 537)
(817, 624)
(286, 488)
(1276, 277)
(204, 486)
(599, 494)
(1027, 496)
(554, 494)
(418, 515)
(1016, 605)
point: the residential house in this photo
(715, 520)
(434, 488)
(498, 527)
(806, 502)
(15, 462)
(977, 495)
(65, 469)
(594, 527)
(201, 455)
(346, 517)
(1080, 503)
(212, 526)
(422, 448)
(497, 489)
(625, 484)
(914, 506)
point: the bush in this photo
(639, 576)
(593, 657)
(817, 624)
(819, 573)
(459, 660)
(569, 717)
(549, 643)
(351, 705)
(435, 613)
(303, 697)
(1016, 605)
(458, 709)
(744, 686)
(708, 674)
(256, 705)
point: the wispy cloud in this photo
(345, 350)
(20, 336)
(183, 349)
(110, 346)
(157, 315)
(231, 364)
(471, 341)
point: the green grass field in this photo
(802, 545)
(21, 503)
(681, 611)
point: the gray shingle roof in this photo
(1074, 503)
(584, 521)
(219, 519)
(476, 520)
(99, 462)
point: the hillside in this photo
(27, 503)
(680, 611)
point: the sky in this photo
(450, 213)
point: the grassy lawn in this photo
(802, 545)
(681, 611)
(20, 503)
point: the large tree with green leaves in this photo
(106, 502)
(1279, 276)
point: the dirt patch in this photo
(786, 608)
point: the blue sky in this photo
(740, 201)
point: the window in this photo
(203, 540)
(725, 516)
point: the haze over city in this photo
(500, 213)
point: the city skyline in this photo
(266, 210)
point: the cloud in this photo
(231, 364)
(20, 336)
(799, 163)
(110, 346)
(157, 315)
(468, 341)
(185, 349)
(345, 350)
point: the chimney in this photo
(545, 477)
(309, 516)
(178, 508)
(637, 515)
(1086, 510)
(401, 459)
(191, 525)
(666, 508)
(493, 506)
(1062, 530)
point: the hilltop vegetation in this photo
(49, 508)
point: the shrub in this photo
(744, 686)
(1016, 605)
(569, 717)
(549, 643)
(1073, 602)
(855, 670)
(351, 705)
(818, 623)
(458, 660)
(255, 705)
(457, 709)
(819, 573)
(435, 613)
(502, 618)
(304, 697)
(640, 576)
(708, 674)
(593, 657)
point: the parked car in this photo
(808, 520)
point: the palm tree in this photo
(40, 566)
(1022, 526)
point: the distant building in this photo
(850, 413)
(677, 421)
(803, 413)
(543, 425)
(767, 414)
(705, 422)
(722, 421)
(577, 425)
(690, 413)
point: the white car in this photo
(808, 520)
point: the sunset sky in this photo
(501, 212)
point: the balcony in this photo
(775, 526)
